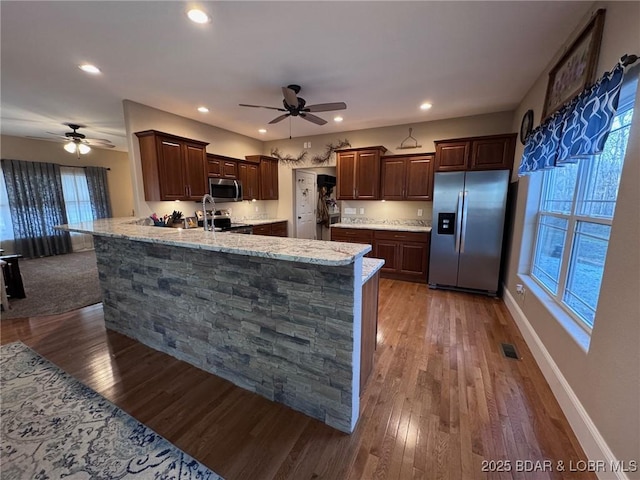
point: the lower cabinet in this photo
(276, 229)
(405, 254)
(353, 235)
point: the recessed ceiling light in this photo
(337, 119)
(425, 106)
(198, 16)
(203, 109)
(87, 67)
(262, 130)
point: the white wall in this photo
(606, 379)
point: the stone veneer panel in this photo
(281, 329)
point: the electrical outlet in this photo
(419, 212)
(520, 290)
(308, 144)
(257, 209)
(362, 211)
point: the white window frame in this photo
(585, 170)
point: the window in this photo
(77, 203)
(576, 211)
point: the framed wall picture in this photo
(576, 70)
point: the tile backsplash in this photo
(390, 212)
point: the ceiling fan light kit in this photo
(295, 106)
(76, 142)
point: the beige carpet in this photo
(56, 284)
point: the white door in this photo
(306, 198)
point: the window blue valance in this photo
(579, 129)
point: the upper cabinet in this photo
(222, 167)
(267, 176)
(358, 173)
(407, 177)
(494, 152)
(173, 168)
(248, 175)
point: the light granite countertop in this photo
(369, 267)
(290, 249)
(384, 226)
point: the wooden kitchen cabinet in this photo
(173, 168)
(353, 235)
(369, 329)
(406, 254)
(493, 152)
(358, 173)
(267, 176)
(407, 177)
(248, 175)
(222, 167)
(276, 229)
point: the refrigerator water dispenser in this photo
(446, 222)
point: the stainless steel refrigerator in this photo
(468, 224)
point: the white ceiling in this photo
(382, 58)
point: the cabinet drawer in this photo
(262, 229)
(402, 236)
(353, 235)
(279, 229)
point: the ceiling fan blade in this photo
(279, 119)
(262, 106)
(313, 119)
(325, 107)
(290, 97)
(57, 135)
(100, 145)
(59, 139)
(96, 140)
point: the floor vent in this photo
(509, 351)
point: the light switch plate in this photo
(362, 211)
(419, 212)
(350, 211)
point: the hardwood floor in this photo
(442, 401)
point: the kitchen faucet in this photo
(209, 198)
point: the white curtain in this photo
(77, 204)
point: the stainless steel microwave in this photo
(225, 190)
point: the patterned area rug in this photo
(54, 427)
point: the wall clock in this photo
(526, 126)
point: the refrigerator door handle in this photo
(458, 221)
(465, 207)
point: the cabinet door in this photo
(419, 179)
(171, 177)
(214, 166)
(367, 180)
(388, 250)
(346, 179)
(452, 156)
(268, 179)
(393, 174)
(492, 153)
(413, 259)
(229, 169)
(194, 171)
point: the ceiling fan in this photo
(297, 107)
(76, 142)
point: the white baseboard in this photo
(595, 447)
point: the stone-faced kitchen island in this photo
(277, 316)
